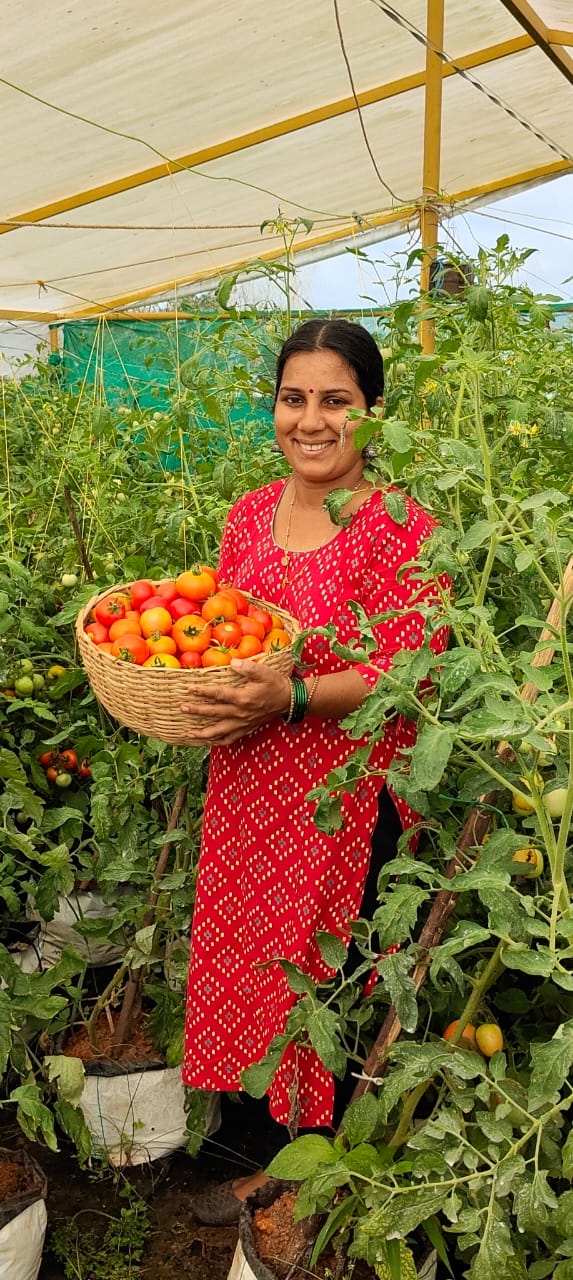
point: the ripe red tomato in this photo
(190, 658)
(262, 616)
(181, 608)
(196, 584)
(468, 1039)
(240, 599)
(47, 758)
(227, 633)
(167, 590)
(131, 649)
(216, 656)
(140, 591)
(250, 627)
(69, 759)
(192, 633)
(97, 632)
(219, 608)
(84, 769)
(109, 610)
(154, 602)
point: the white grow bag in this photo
(22, 1242)
(85, 904)
(242, 1270)
(139, 1116)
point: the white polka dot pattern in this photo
(268, 879)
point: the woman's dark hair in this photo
(352, 342)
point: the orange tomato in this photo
(276, 639)
(227, 633)
(240, 599)
(219, 607)
(216, 656)
(468, 1039)
(196, 584)
(207, 568)
(248, 647)
(161, 660)
(106, 647)
(156, 620)
(192, 633)
(124, 627)
(158, 643)
(131, 649)
(277, 622)
(133, 614)
(124, 598)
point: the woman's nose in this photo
(311, 414)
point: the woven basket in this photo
(148, 699)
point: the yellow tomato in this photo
(489, 1039)
(532, 858)
(162, 660)
(522, 804)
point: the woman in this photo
(268, 879)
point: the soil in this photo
(14, 1179)
(278, 1241)
(139, 1049)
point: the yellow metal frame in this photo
(547, 39)
(429, 211)
(281, 128)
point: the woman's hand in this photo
(260, 695)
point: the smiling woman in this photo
(269, 879)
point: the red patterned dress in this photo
(268, 879)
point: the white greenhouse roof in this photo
(144, 144)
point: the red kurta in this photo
(268, 879)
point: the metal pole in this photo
(429, 221)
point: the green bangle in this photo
(298, 701)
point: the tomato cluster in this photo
(61, 766)
(487, 1037)
(188, 621)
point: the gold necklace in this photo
(286, 556)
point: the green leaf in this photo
(360, 1119)
(495, 1249)
(478, 533)
(298, 981)
(301, 1158)
(397, 917)
(257, 1078)
(540, 962)
(458, 666)
(394, 971)
(73, 1123)
(567, 1156)
(337, 1219)
(332, 949)
(430, 756)
(395, 505)
(33, 1114)
(322, 1026)
(69, 1075)
(403, 1213)
(398, 437)
(551, 1063)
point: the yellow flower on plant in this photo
(429, 386)
(515, 428)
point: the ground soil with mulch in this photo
(139, 1048)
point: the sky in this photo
(540, 218)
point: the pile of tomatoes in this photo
(61, 767)
(188, 621)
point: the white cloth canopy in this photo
(144, 144)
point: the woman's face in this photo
(311, 418)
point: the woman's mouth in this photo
(314, 448)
